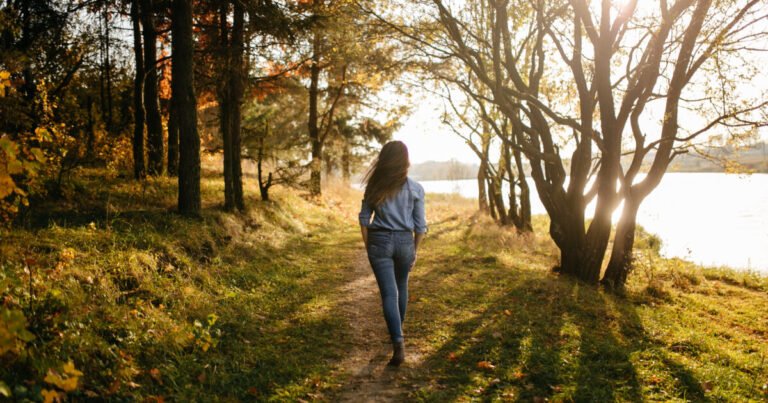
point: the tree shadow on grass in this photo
(546, 338)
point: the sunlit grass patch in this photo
(515, 331)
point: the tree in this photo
(185, 104)
(354, 140)
(151, 101)
(230, 94)
(139, 167)
(345, 66)
(583, 77)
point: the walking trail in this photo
(369, 379)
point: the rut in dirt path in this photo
(369, 379)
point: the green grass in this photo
(240, 307)
(120, 294)
(679, 333)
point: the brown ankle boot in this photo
(398, 355)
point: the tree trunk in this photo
(154, 120)
(29, 87)
(525, 194)
(491, 202)
(314, 130)
(346, 157)
(139, 169)
(91, 140)
(173, 139)
(237, 81)
(482, 194)
(514, 213)
(482, 172)
(498, 201)
(107, 71)
(184, 94)
(329, 165)
(621, 260)
(225, 114)
(263, 186)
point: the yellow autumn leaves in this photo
(65, 380)
(5, 81)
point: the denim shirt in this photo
(402, 212)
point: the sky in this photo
(428, 139)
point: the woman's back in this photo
(404, 211)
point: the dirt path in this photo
(369, 379)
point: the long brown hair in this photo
(388, 173)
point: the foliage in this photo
(20, 163)
(13, 331)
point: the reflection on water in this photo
(709, 218)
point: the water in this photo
(713, 219)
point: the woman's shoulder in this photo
(415, 186)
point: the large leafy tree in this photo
(350, 59)
(590, 82)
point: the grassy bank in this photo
(148, 304)
(499, 325)
(136, 303)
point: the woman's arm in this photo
(364, 231)
(417, 240)
(365, 219)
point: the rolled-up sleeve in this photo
(365, 214)
(419, 213)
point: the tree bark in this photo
(346, 161)
(107, 70)
(139, 169)
(183, 92)
(513, 212)
(29, 87)
(91, 139)
(236, 82)
(620, 264)
(314, 131)
(225, 99)
(230, 101)
(482, 172)
(482, 194)
(491, 201)
(525, 194)
(263, 186)
(173, 139)
(151, 104)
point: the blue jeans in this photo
(392, 255)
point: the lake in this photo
(712, 219)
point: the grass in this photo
(150, 304)
(240, 307)
(500, 326)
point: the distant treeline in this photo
(708, 159)
(752, 158)
(443, 170)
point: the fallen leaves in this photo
(155, 374)
(485, 365)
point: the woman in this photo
(392, 237)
